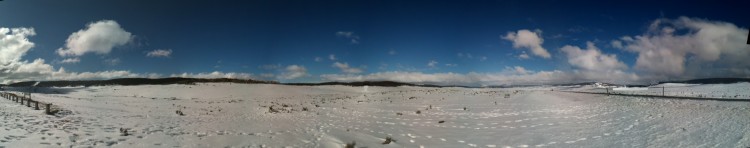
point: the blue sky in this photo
(379, 40)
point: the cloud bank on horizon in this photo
(684, 47)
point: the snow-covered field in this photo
(239, 115)
(727, 91)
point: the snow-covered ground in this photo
(239, 115)
(727, 91)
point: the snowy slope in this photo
(727, 91)
(237, 115)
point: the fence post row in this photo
(20, 99)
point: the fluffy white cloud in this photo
(98, 37)
(524, 56)
(592, 58)
(616, 44)
(70, 60)
(293, 72)
(14, 44)
(592, 64)
(318, 59)
(37, 65)
(349, 35)
(159, 53)
(530, 40)
(690, 47)
(344, 67)
(432, 64)
(391, 52)
(216, 74)
(521, 70)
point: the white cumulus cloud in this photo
(14, 44)
(528, 39)
(215, 74)
(344, 67)
(293, 72)
(524, 56)
(432, 64)
(592, 58)
(159, 53)
(98, 37)
(70, 60)
(690, 47)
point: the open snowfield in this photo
(239, 115)
(726, 91)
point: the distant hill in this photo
(135, 81)
(179, 80)
(711, 81)
(363, 83)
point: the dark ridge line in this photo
(135, 81)
(666, 97)
(180, 80)
(367, 83)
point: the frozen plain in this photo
(239, 115)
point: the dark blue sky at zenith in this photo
(443, 42)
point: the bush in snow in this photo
(388, 140)
(350, 145)
(124, 131)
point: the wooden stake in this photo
(48, 109)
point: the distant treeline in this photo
(364, 83)
(178, 80)
(136, 81)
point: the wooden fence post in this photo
(28, 102)
(607, 90)
(47, 109)
(36, 105)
